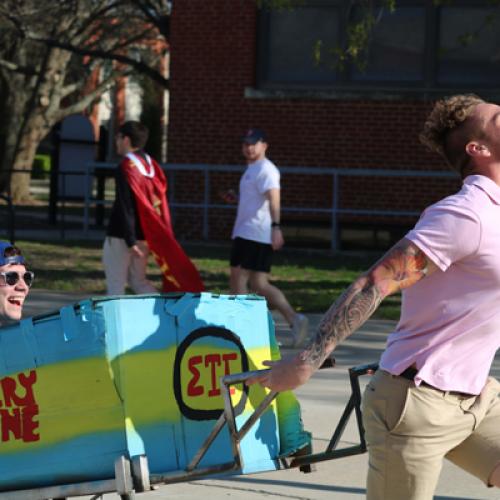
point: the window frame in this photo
(344, 82)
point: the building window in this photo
(419, 45)
(396, 49)
(469, 46)
(292, 36)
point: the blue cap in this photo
(14, 258)
(253, 136)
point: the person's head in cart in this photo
(15, 282)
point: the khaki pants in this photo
(122, 267)
(409, 430)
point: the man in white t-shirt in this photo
(257, 232)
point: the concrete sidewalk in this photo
(323, 400)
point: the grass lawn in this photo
(311, 281)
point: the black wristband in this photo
(275, 224)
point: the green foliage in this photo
(317, 48)
(359, 34)
(41, 167)
(439, 3)
(466, 39)
(358, 39)
(360, 31)
(278, 4)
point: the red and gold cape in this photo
(149, 185)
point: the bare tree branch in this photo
(161, 22)
(106, 55)
(92, 18)
(87, 100)
(49, 50)
(70, 89)
(25, 70)
(117, 45)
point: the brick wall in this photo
(214, 60)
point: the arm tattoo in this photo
(400, 268)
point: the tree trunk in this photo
(37, 113)
(14, 111)
(23, 161)
(46, 57)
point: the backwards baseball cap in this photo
(10, 254)
(253, 136)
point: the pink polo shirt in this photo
(450, 320)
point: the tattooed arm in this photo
(402, 266)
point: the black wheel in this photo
(128, 496)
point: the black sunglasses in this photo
(12, 277)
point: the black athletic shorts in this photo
(251, 255)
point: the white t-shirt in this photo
(253, 220)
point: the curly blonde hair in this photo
(446, 132)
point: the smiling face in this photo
(12, 296)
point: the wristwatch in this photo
(275, 224)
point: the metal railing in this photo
(57, 200)
(333, 211)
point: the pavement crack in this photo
(247, 490)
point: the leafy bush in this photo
(41, 167)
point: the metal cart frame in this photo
(133, 475)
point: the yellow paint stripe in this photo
(79, 397)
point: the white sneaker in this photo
(300, 329)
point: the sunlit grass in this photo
(311, 281)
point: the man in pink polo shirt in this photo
(432, 397)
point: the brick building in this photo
(235, 66)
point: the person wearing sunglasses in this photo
(15, 282)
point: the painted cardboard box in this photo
(133, 376)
